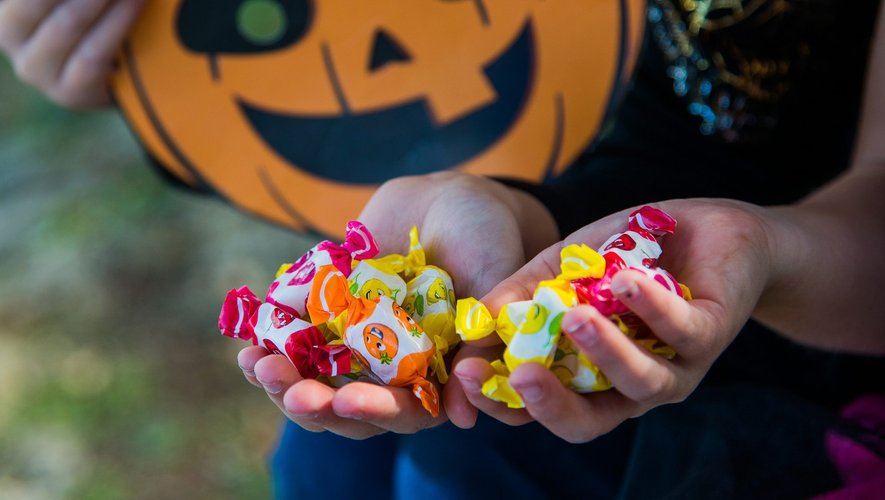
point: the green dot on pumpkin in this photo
(262, 22)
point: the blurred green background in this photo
(114, 382)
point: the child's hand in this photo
(65, 48)
(720, 251)
(478, 230)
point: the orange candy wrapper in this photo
(379, 333)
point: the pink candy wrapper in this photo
(637, 248)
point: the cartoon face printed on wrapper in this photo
(381, 342)
(430, 300)
(369, 281)
(536, 338)
(283, 333)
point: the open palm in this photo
(474, 228)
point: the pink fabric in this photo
(862, 471)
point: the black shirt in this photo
(772, 116)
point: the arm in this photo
(813, 270)
(827, 281)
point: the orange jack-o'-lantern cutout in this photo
(295, 110)
(381, 342)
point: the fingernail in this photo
(248, 373)
(585, 334)
(354, 415)
(273, 388)
(571, 323)
(625, 287)
(531, 393)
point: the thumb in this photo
(546, 265)
(521, 285)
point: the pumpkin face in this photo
(295, 110)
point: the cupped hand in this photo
(479, 231)
(65, 48)
(720, 250)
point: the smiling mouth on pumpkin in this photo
(370, 148)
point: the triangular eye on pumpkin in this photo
(386, 50)
(242, 26)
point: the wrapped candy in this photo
(585, 278)
(336, 315)
(428, 297)
(637, 248)
(430, 301)
(536, 337)
(379, 333)
(371, 279)
(280, 325)
(474, 321)
(290, 290)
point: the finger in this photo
(247, 358)
(672, 319)
(41, 60)
(394, 409)
(309, 404)
(88, 67)
(472, 372)
(569, 415)
(635, 372)
(546, 265)
(19, 20)
(276, 374)
(459, 409)
(522, 284)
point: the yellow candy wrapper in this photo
(473, 321)
(532, 329)
(430, 300)
(575, 371)
(428, 297)
(537, 336)
(372, 278)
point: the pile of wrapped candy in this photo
(531, 329)
(340, 314)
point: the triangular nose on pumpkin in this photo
(386, 50)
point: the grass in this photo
(114, 382)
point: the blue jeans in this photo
(491, 460)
